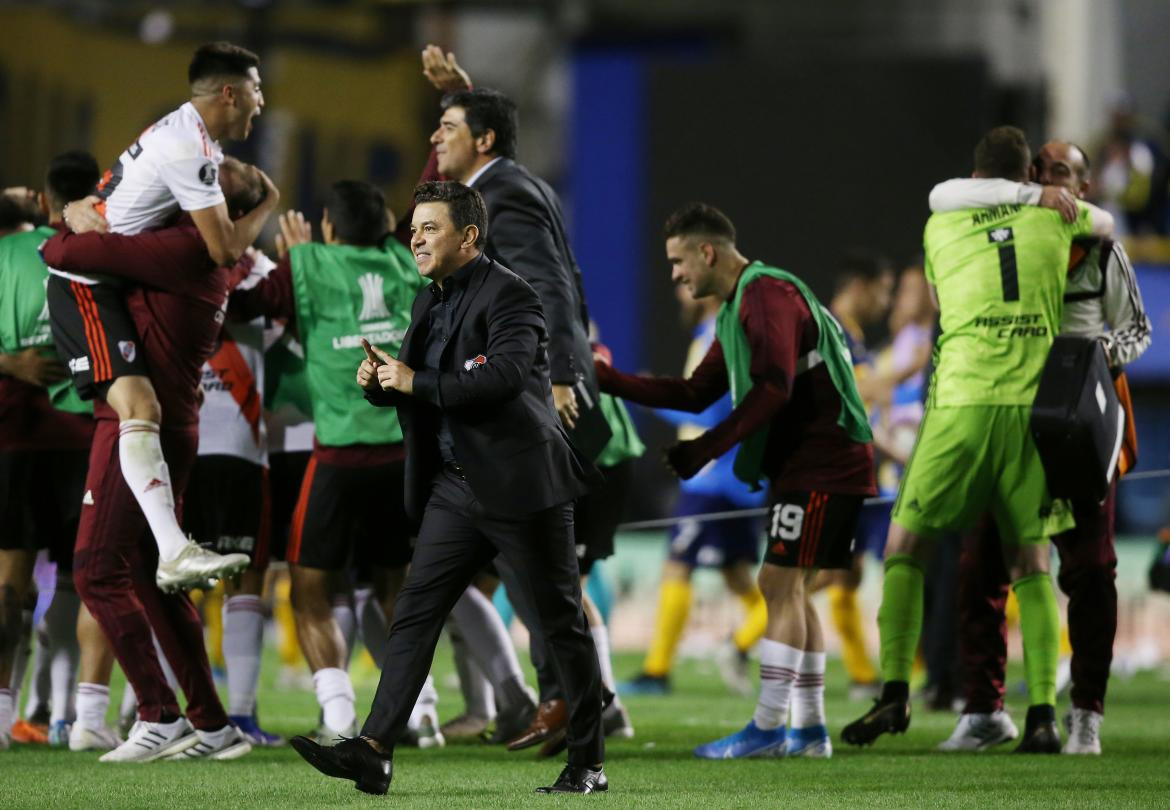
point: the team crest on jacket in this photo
(128, 350)
(474, 362)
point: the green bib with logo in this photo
(831, 347)
(343, 294)
(24, 312)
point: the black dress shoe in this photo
(353, 758)
(578, 779)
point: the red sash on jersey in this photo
(238, 379)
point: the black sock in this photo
(1040, 713)
(895, 692)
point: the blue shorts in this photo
(872, 528)
(715, 543)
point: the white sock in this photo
(478, 698)
(427, 701)
(20, 659)
(808, 692)
(243, 638)
(778, 665)
(129, 705)
(600, 635)
(146, 473)
(372, 623)
(344, 616)
(6, 713)
(93, 702)
(335, 695)
(490, 645)
(61, 628)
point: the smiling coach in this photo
(489, 469)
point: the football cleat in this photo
(1040, 733)
(615, 722)
(27, 732)
(249, 726)
(82, 738)
(733, 668)
(750, 741)
(197, 567)
(645, 686)
(889, 717)
(1084, 731)
(150, 741)
(464, 727)
(812, 742)
(222, 744)
(978, 732)
(59, 733)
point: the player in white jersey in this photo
(226, 502)
(173, 166)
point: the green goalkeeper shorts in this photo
(972, 459)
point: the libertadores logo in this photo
(373, 302)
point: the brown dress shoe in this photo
(552, 717)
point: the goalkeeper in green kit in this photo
(999, 276)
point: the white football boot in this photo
(221, 744)
(197, 567)
(147, 741)
(83, 738)
(978, 732)
(1084, 732)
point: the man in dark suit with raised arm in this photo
(489, 469)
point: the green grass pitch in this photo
(655, 769)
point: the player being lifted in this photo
(173, 165)
(800, 425)
(999, 276)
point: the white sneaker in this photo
(224, 743)
(5, 740)
(147, 742)
(429, 735)
(978, 732)
(197, 567)
(1084, 732)
(733, 668)
(83, 738)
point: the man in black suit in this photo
(489, 469)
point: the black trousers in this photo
(457, 537)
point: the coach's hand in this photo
(685, 459)
(392, 374)
(1061, 200)
(565, 400)
(33, 366)
(82, 216)
(367, 373)
(443, 71)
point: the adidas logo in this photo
(87, 499)
(154, 484)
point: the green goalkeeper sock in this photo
(1040, 626)
(900, 616)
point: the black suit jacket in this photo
(493, 385)
(526, 234)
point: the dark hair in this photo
(463, 203)
(221, 59)
(72, 176)
(357, 211)
(13, 213)
(1003, 152)
(699, 219)
(246, 191)
(485, 109)
(864, 265)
